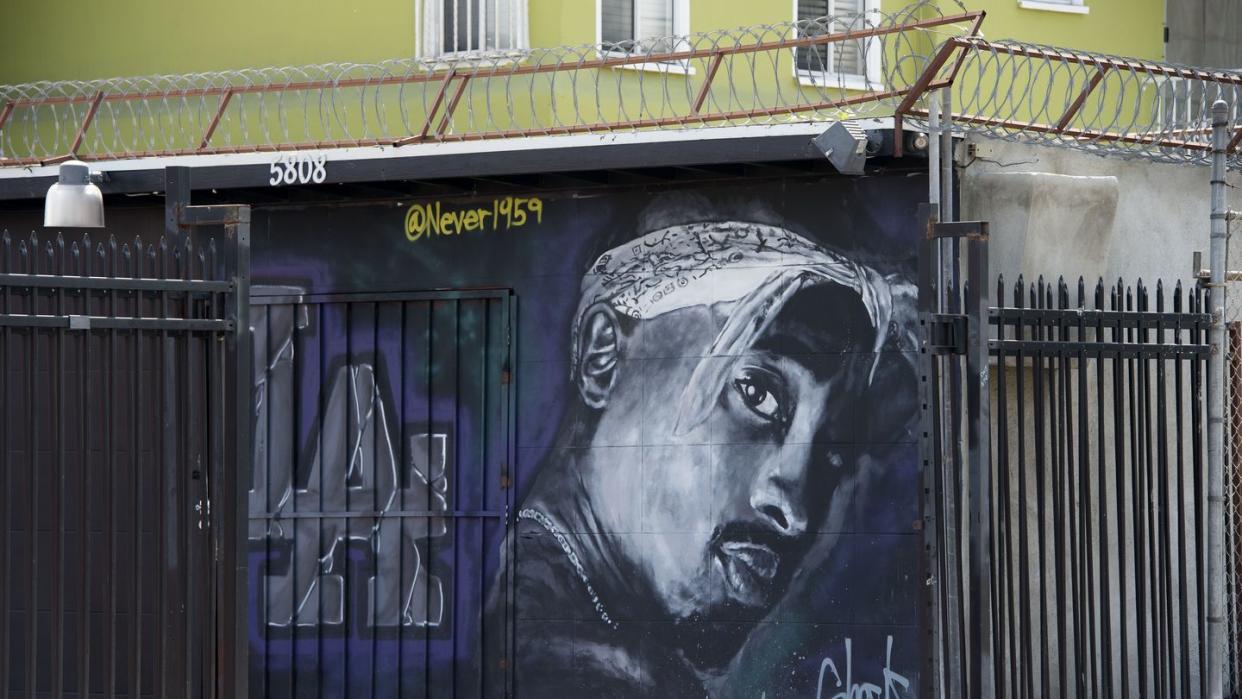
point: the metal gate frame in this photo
(186, 299)
(504, 516)
(1025, 614)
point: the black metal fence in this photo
(118, 366)
(1070, 562)
(379, 493)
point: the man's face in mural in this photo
(729, 500)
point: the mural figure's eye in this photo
(762, 394)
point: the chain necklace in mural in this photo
(546, 522)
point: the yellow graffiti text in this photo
(506, 213)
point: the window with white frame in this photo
(853, 64)
(1071, 6)
(471, 27)
(644, 26)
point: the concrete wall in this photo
(1060, 212)
(1205, 33)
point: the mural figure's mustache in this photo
(754, 557)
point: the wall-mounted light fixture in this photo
(74, 201)
(846, 145)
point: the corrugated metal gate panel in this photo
(379, 493)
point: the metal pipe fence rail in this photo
(1104, 104)
(114, 441)
(761, 74)
(1072, 563)
(764, 74)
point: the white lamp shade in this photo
(73, 202)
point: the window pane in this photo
(500, 24)
(617, 22)
(479, 25)
(461, 25)
(655, 18)
(842, 57)
(812, 58)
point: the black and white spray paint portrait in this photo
(719, 368)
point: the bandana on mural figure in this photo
(752, 268)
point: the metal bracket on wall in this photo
(947, 333)
(971, 230)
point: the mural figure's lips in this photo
(749, 569)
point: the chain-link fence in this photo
(1233, 513)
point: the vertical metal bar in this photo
(111, 362)
(61, 479)
(7, 496)
(406, 457)
(1027, 634)
(1149, 498)
(946, 158)
(32, 409)
(172, 560)
(1215, 408)
(136, 403)
(1066, 539)
(1138, 490)
(1182, 563)
(429, 357)
(1056, 436)
(84, 462)
(32, 524)
(938, 665)
(377, 428)
(233, 639)
(1171, 651)
(1086, 500)
(933, 169)
(979, 454)
(1197, 430)
(192, 438)
(1009, 657)
(1041, 489)
(1119, 459)
(1103, 598)
(484, 346)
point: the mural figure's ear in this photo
(598, 351)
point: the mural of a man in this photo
(719, 370)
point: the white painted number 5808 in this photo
(298, 168)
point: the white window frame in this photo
(1073, 7)
(681, 27)
(874, 77)
(429, 34)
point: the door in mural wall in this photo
(379, 490)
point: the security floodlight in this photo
(74, 201)
(845, 145)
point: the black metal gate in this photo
(380, 493)
(119, 448)
(1064, 443)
